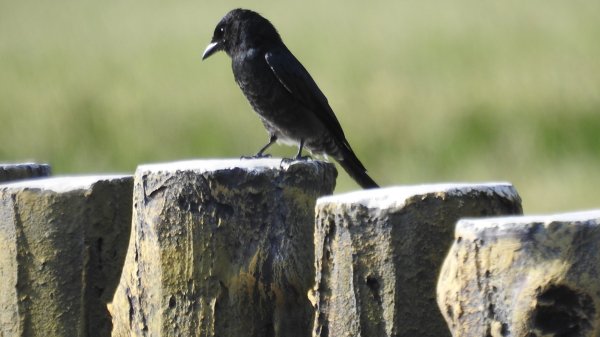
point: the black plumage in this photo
(290, 104)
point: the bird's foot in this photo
(257, 156)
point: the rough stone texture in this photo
(63, 244)
(221, 248)
(378, 254)
(528, 276)
(11, 172)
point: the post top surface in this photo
(61, 183)
(203, 165)
(577, 216)
(396, 196)
(15, 165)
(526, 226)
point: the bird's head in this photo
(239, 30)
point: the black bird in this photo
(290, 104)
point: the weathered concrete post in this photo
(14, 171)
(523, 276)
(378, 254)
(221, 248)
(63, 244)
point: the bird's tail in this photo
(355, 168)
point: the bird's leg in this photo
(298, 155)
(260, 153)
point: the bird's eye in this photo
(220, 32)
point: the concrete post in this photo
(378, 254)
(523, 276)
(221, 248)
(11, 172)
(63, 243)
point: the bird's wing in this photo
(294, 77)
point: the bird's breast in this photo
(260, 86)
(282, 114)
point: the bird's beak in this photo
(212, 48)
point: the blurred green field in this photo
(426, 91)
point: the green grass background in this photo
(426, 91)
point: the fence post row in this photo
(261, 248)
